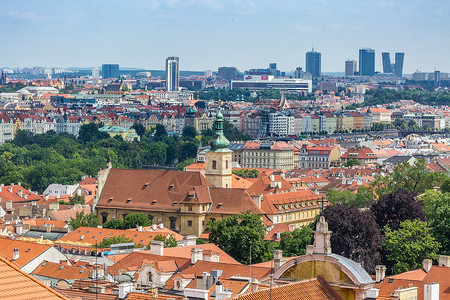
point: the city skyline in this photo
(235, 33)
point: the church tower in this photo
(219, 157)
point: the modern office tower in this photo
(387, 67)
(273, 66)
(366, 62)
(227, 73)
(172, 73)
(398, 68)
(95, 72)
(110, 71)
(313, 63)
(208, 74)
(350, 67)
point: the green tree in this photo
(83, 220)
(445, 186)
(139, 128)
(114, 224)
(415, 179)
(437, 209)
(89, 132)
(120, 239)
(294, 243)
(184, 163)
(189, 132)
(352, 162)
(235, 235)
(407, 247)
(169, 240)
(246, 173)
(160, 132)
(136, 219)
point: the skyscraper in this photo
(387, 67)
(350, 67)
(366, 62)
(110, 71)
(313, 63)
(172, 73)
(398, 69)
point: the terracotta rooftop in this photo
(16, 284)
(185, 252)
(27, 250)
(90, 235)
(311, 289)
(60, 271)
(418, 278)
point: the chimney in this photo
(427, 263)
(196, 255)
(380, 273)
(8, 204)
(19, 228)
(189, 240)
(257, 199)
(372, 293)
(219, 287)
(444, 260)
(139, 228)
(19, 183)
(431, 291)
(277, 259)
(16, 254)
(154, 226)
(157, 248)
(125, 289)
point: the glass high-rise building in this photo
(387, 67)
(366, 62)
(398, 68)
(172, 73)
(110, 71)
(313, 63)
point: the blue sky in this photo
(206, 34)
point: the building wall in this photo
(220, 176)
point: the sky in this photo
(207, 34)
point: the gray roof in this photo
(361, 275)
(398, 159)
(53, 236)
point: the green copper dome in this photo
(218, 141)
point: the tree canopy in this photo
(136, 219)
(415, 179)
(120, 239)
(437, 209)
(83, 220)
(293, 243)
(355, 234)
(235, 235)
(393, 208)
(246, 173)
(169, 240)
(408, 246)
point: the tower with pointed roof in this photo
(219, 157)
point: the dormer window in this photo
(128, 200)
(146, 184)
(154, 201)
(219, 205)
(110, 199)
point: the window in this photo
(104, 217)
(189, 208)
(226, 164)
(189, 223)
(214, 164)
(150, 277)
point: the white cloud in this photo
(26, 15)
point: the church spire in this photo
(218, 141)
